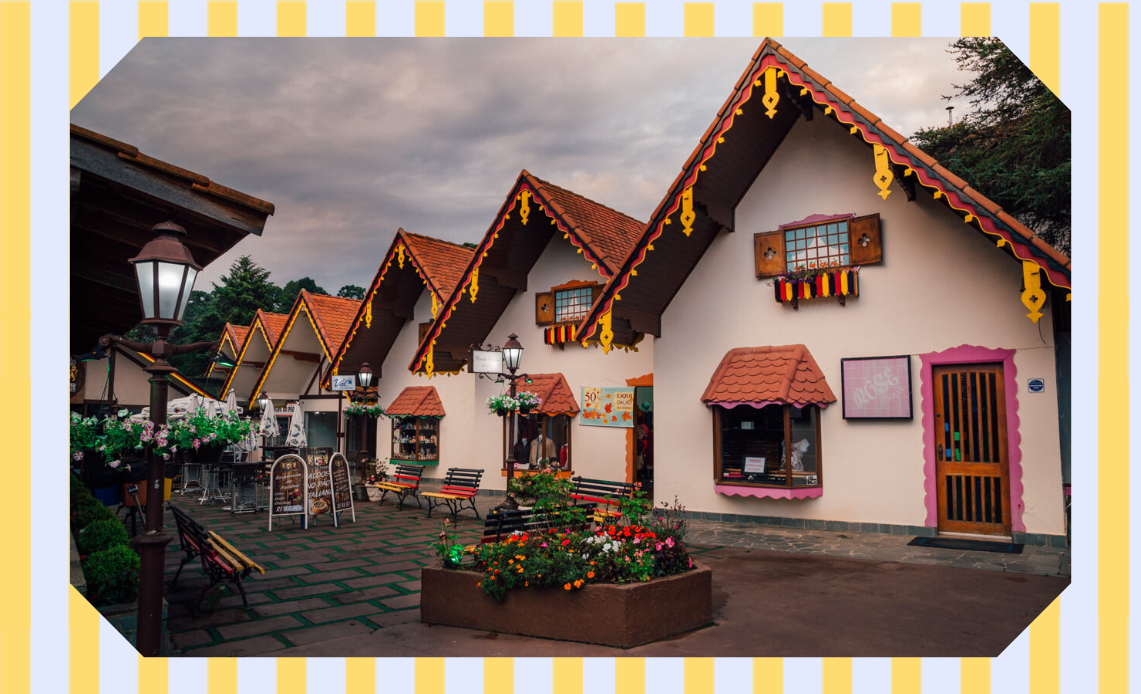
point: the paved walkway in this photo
(354, 590)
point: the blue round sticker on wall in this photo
(1036, 385)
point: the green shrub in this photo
(83, 515)
(112, 576)
(101, 535)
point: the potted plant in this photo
(502, 404)
(356, 410)
(526, 401)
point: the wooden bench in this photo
(221, 561)
(499, 523)
(608, 494)
(460, 486)
(405, 482)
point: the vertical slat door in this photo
(972, 466)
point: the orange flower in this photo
(526, 583)
(590, 574)
(479, 585)
(566, 587)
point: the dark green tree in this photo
(288, 294)
(351, 291)
(1014, 146)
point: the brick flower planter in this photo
(624, 615)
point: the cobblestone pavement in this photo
(324, 584)
(1046, 561)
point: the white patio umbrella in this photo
(297, 429)
(268, 426)
(231, 404)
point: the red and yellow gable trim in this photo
(519, 196)
(976, 214)
(222, 343)
(176, 376)
(302, 305)
(399, 252)
(257, 323)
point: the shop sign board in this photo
(342, 487)
(288, 493)
(607, 407)
(485, 362)
(755, 465)
(320, 483)
(876, 387)
(343, 382)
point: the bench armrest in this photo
(236, 553)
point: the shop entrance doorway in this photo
(972, 465)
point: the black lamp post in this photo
(365, 395)
(165, 272)
(512, 356)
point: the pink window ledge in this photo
(769, 492)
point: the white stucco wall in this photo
(597, 452)
(455, 393)
(941, 285)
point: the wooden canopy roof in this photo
(556, 395)
(503, 259)
(420, 262)
(117, 195)
(733, 151)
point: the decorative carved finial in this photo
(1032, 296)
(688, 216)
(884, 176)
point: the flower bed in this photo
(642, 584)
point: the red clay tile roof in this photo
(785, 374)
(274, 323)
(557, 396)
(442, 261)
(333, 316)
(419, 401)
(238, 334)
(609, 233)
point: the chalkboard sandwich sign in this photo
(288, 488)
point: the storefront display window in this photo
(751, 445)
(416, 440)
(539, 438)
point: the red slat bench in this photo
(460, 486)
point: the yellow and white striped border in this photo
(1046, 659)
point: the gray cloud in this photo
(352, 138)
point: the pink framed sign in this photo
(876, 387)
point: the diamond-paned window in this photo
(572, 304)
(824, 245)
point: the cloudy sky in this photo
(352, 138)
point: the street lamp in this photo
(263, 401)
(365, 375)
(512, 356)
(366, 395)
(165, 272)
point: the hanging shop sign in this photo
(78, 373)
(485, 362)
(345, 382)
(876, 387)
(607, 407)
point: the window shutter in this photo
(544, 308)
(768, 252)
(595, 292)
(871, 251)
(423, 331)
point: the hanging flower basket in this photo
(527, 401)
(374, 411)
(504, 404)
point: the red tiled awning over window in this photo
(760, 376)
(557, 396)
(416, 401)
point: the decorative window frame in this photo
(971, 354)
(761, 490)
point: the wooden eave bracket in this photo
(719, 212)
(642, 322)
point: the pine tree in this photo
(1014, 147)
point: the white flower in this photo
(123, 413)
(114, 463)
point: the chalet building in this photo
(312, 334)
(418, 274)
(542, 262)
(116, 380)
(252, 354)
(844, 333)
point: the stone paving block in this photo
(189, 639)
(236, 600)
(364, 594)
(208, 619)
(302, 591)
(326, 576)
(236, 649)
(416, 540)
(389, 619)
(259, 626)
(335, 565)
(410, 586)
(378, 580)
(331, 614)
(268, 582)
(301, 637)
(290, 606)
(291, 562)
(283, 573)
(401, 601)
(395, 566)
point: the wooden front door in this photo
(972, 467)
